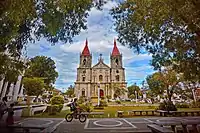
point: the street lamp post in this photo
(191, 86)
(136, 96)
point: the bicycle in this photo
(82, 117)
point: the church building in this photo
(103, 76)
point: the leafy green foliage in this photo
(103, 103)
(70, 91)
(33, 86)
(170, 33)
(53, 109)
(165, 80)
(23, 21)
(81, 99)
(132, 96)
(44, 96)
(56, 105)
(182, 105)
(118, 101)
(108, 97)
(132, 89)
(11, 68)
(195, 104)
(167, 106)
(43, 67)
(57, 100)
(87, 107)
(118, 91)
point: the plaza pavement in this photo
(113, 125)
(96, 125)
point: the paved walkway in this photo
(114, 125)
(97, 125)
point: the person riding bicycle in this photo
(74, 106)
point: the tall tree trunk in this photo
(169, 95)
(28, 105)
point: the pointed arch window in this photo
(100, 78)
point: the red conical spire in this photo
(86, 51)
(115, 49)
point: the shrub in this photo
(182, 105)
(195, 105)
(103, 103)
(87, 107)
(26, 112)
(57, 100)
(81, 99)
(44, 96)
(98, 108)
(102, 98)
(109, 96)
(60, 107)
(118, 101)
(167, 106)
(53, 109)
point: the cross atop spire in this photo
(100, 57)
(86, 51)
(115, 49)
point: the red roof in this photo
(115, 49)
(86, 51)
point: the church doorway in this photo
(83, 93)
(101, 93)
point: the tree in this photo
(167, 80)
(24, 21)
(132, 89)
(70, 91)
(189, 90)
(132, 96)
(170, 33)
(118, 91)
(43, 67)
(11, 69)
(33, 86)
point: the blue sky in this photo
(100, 35)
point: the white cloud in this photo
(100, 35)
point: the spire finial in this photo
(86, 51)
(86, 42)
(115, 49)
(115, 44)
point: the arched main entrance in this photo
(101, 93)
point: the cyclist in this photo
(74, 107)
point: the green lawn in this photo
(188, 108)
(112, 110)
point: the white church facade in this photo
(103, 76)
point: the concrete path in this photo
(114, 125)
(97, 125)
